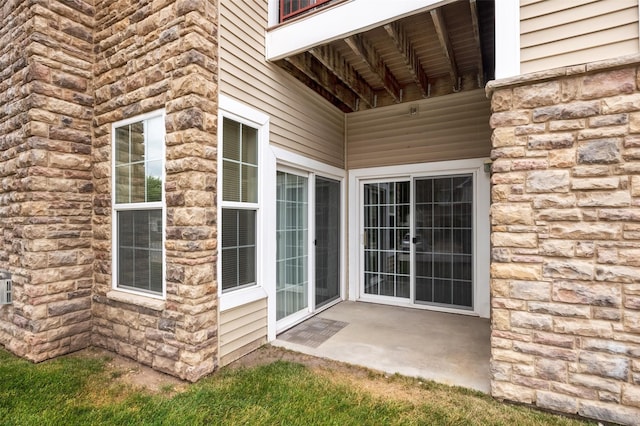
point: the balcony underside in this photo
(432, 53)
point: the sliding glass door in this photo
(386, 234)
(444, 234)
(308, 244)
(418, 240)
(292, 232)
(327, 242)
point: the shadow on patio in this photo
(447, 348)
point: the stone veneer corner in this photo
(565, 234)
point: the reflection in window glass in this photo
(138, 181)
(139, 164)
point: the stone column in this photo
(151, 55)
(565, 233)
(45, 172)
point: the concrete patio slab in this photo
(447, 348)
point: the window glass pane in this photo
(231, 140)
(122, 145)
(247, 265)
(444, 268)
(139, 161)
(238, 248)
(125, 230)
(229, 268)
(229, 228)
(141, 229)
(138, 183)
(240, 160)
(122, 183)
(141, 270)
(249, 145)
(230, 181)
(140, 250)
(154, 183)
(137, 142)
(292, 275)
(246, 227)
(126, 261)
(249, 184)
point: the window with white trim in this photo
(138, 204)
(239, 204)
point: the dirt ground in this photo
(129, 372)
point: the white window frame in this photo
(115, 208)
(481, 194)
(236, 111)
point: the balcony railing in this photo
(291, 8)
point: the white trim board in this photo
(507, 38)
(337, 22)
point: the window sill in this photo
(241, 297)
(136, 299)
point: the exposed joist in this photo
(445, 43)
(336, 63)
(476, 36)
(408, 53)
(299, 75)
(314, 70)
(365, 50)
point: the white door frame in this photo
(481, 225)
(290, 162)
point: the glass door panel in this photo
(387, 229)
(292, 230)
(443, 241)
(327, 255)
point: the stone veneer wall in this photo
(151, 55)
(565, 268)
(45, 175)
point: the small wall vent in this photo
(5, 291)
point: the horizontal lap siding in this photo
(300, 120)
(445, 128)
(555, 33)
(242, 330)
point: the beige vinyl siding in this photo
(242, 330)
(445, 128)
(555, 33)
(300, 120)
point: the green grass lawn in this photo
(81, 390)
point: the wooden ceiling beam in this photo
(476, 36)
(445, 43)
(334, 62)
(408, 53)
(365, 50)
(299, 75)
(327, 80)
